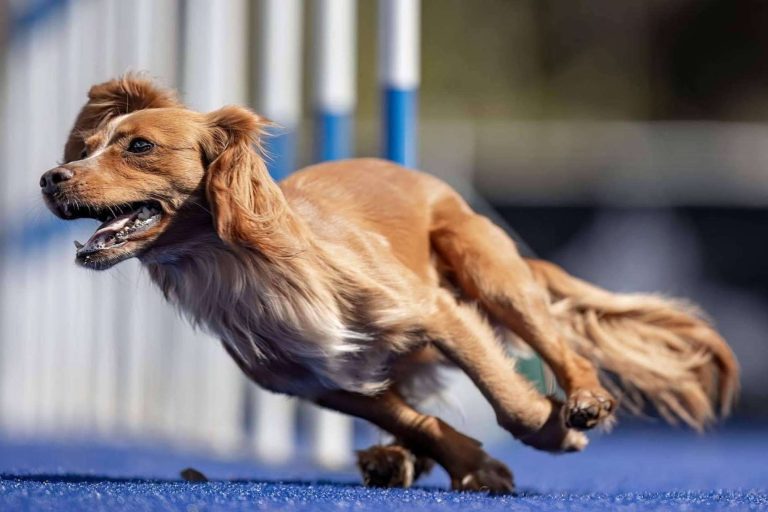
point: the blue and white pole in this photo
(399, 22)
(335, 37)
(334, 103)
(279, 80)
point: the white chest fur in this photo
(286, 326)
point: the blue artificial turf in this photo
(632, 469)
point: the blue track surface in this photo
(632, 469)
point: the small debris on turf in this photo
(193, 475)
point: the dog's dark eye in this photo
(83, 154)
(140, 146)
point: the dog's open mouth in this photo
(120, 225)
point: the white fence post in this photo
(214, 64)
(334, 84)
(278, 97)
(278, 78)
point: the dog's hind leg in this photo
(487, 266)
(461, 334)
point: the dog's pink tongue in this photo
(115, 224)
(105, 234)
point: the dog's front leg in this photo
(469, 467)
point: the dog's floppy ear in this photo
(247, 205)
(114, 98)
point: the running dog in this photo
(349, 283)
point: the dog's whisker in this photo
(195, 203)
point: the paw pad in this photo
(586, 409)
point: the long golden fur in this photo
(349, 282)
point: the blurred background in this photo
(626, 141)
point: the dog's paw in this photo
(387, 466)
(492, 476)
(554, 436)
(587, 408)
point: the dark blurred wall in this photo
(591, 59)
(709, 59)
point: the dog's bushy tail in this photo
(651, 350)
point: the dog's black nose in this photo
(50, 180)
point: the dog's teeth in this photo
(78, 245)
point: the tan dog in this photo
(350, 281)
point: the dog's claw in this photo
(492, 477)
(588, 408)
(554, 436)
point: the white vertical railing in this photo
(278, 78)
(103, 353)
(214, 75)
(278, 97)
(39, 270)
(18, 358)
(334, 102)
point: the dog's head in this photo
(157, 174)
